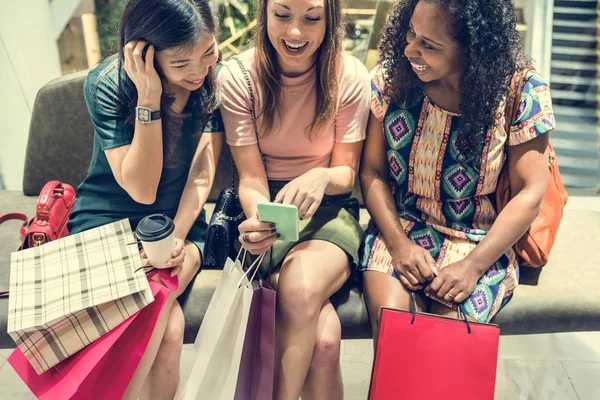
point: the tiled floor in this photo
(538, 367)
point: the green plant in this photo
(108, 15)
(233, 16)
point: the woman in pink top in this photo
(312, 106)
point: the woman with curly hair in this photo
(435, 147)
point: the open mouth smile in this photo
(294, 47)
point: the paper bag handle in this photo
(460, 312)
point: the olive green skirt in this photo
(336, 221)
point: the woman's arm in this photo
(137, 167)
(253, 185)
(377, 196)
(413, 264)
(199, 182)
(307, 191)
(528, 170)
(255, 236)
(341, 174)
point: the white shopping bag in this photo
(219, 344)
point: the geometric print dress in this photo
(444, 204)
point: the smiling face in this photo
(431, 49)
(186, 69)
(296, 29)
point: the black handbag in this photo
(228, 213)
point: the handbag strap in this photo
(17, 216)
(252, 105)
(23, 231)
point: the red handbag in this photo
(426, 356)
(54, 206)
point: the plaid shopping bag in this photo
(69, 292)
(91, 373)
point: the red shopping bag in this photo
(103, 369)
(426, 357)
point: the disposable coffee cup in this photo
(156, 232)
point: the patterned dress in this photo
(444, 204)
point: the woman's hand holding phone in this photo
(141, 71)
(257, 237)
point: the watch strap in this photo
(154, 115)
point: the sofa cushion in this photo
(60, 135)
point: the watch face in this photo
(144, 115)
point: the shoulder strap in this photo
(252, 104)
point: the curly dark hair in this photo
(486, 31)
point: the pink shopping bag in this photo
(103, 369)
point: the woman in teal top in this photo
(153, 106)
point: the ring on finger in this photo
(246, 237)
(451, 296)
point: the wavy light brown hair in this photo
(328, 65)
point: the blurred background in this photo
(44, 39)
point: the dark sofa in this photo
(562, 298)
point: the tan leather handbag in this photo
(533, 249)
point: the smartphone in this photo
(285, 218)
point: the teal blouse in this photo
(101, 200)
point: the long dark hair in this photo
(328, 65)
(486, 31)
(169, 24)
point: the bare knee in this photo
(326, 354)
(173, 338)
(375, 318)
(189, 269)
(193, 253)
(298, 301)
